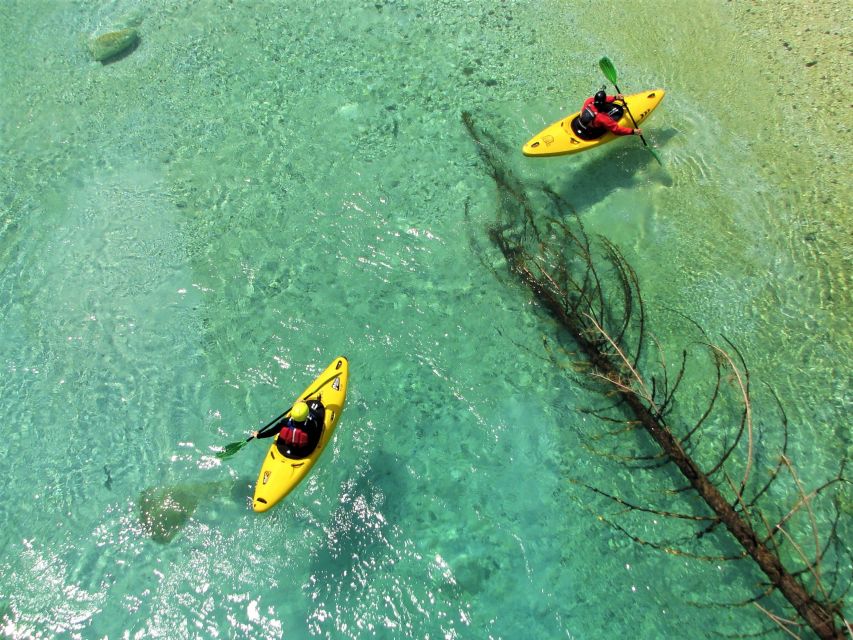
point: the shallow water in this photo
(193, 232)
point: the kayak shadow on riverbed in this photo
(381, 506)
(620, 165)
(165, 510)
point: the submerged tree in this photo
(592, 292)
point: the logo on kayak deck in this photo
(336, 385)
(266, 476)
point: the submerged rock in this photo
(164, 511)
(112, 44)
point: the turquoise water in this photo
(190, 234)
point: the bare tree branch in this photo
(593, 294)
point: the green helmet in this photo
(299, 412)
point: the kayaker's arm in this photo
(620, 98)
(316, 414)
(612, 125)
(271, 430)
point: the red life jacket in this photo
(293, 436)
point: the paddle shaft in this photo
(303, 398)
(234, 447)
(609, 72)
(630, 115)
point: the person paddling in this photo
(599, 114)
(299, 433)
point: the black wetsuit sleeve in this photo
(271, 430)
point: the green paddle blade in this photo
(655, 154)
(231, 449)
(608, 69)
(609, 72)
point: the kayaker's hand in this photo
(255, 434)
(619, 96)
(638, 132)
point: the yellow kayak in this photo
(279, 474)
(561, 138)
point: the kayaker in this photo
(299, 433)
(600, 113)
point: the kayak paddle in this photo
(609, 72)
(233, 447)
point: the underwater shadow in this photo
(615, 166)
(358, 528)
(379, 517)
(364, 523)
